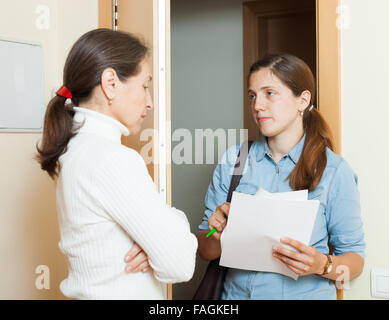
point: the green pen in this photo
(213, 230)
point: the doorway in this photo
(213, 44)
(210, 55)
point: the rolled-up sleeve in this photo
(344, 221)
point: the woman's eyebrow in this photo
(262, 88)
(267, 87)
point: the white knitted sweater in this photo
(106, 201)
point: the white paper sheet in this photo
(293, 195)
(257, 222)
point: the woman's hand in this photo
(307, 261)
(218, 219)
(137, 260)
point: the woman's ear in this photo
(109, 82)
(304, 100)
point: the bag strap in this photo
(239, 167)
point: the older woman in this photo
(107, 202)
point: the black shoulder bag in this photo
(211, 286)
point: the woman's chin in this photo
(268, 133)
(264, 131)
(134, 130)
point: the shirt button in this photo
(249, 295)
(277, 171)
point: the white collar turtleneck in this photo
(99, 124)
(106, 200)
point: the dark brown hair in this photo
(298, 77)
(89, 57)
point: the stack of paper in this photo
(257, 222)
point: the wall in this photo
(29, 229)
(207, 92)
(365, 116)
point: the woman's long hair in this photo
(297, 76)
(89, 57)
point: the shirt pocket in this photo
(247, 188)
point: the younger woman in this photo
(294, 152)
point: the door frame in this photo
(328, 39)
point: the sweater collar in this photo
(99, 124)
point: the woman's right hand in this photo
(218, 219)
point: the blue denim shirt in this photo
(338, 217)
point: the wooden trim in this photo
(155, 60)
(250, 50)
(105, 14)
(168, 122)
(329, 73)
(329, 68)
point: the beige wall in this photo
(29, 230)
(365, 114)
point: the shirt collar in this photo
(263, 148)
(99, 124)
(293, 154)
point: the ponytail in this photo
(313, 159)
(57, 131)
(92, 53)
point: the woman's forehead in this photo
(264, 78)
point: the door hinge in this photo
(115, 15)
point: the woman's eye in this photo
(251, 96)
(270, 93)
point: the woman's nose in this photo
(258, 105)
(149, 102)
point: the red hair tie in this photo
(64, 92)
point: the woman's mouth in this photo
(263, 119)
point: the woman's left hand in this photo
(307, 261)
(137, 260)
